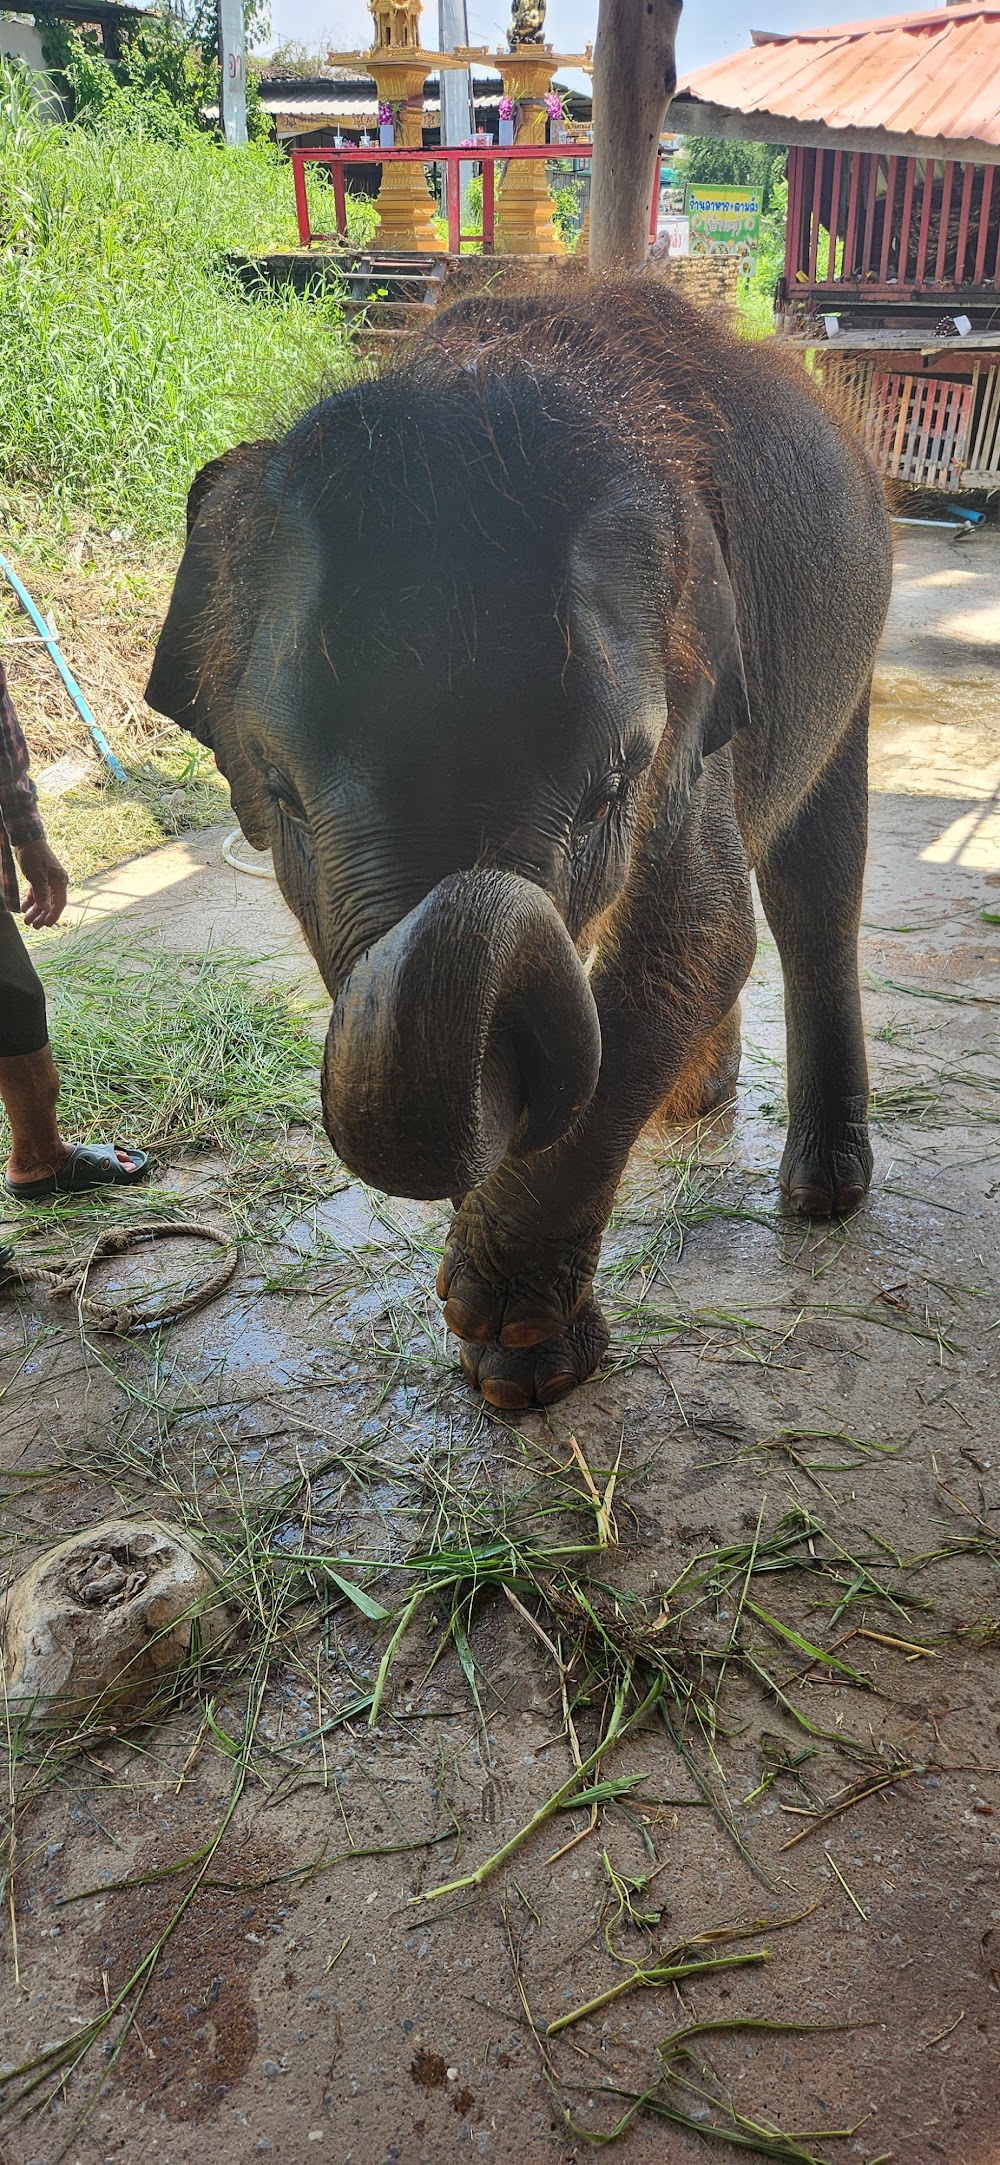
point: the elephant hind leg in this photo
(708, 1078)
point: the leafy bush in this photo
(474, 212)
(567, 211)
(157, 87)
(131, 355)
(295, 60)
(141, 96)
(756, 299)
(168, 65)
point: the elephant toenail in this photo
(555, 1387)
(509, 1397)
(523, 1334)
(464, 1324)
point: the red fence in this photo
(451, 157)
(893, 228)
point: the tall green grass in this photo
(130, 354)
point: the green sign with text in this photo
(724, 221)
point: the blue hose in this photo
(50, 640)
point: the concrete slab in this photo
(193, 898)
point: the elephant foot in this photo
(497, 1289)
(826, 1176)
(709, 1078)
(523, 1306)
(538, 1375)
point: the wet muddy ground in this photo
(800, 1564)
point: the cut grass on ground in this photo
(174, 788)
(107, 598)
(172, 1049)
(621, 1661)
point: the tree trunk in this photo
(634, 81)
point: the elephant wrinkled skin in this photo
(520, 658)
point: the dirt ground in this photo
(806, 1424)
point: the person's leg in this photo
(29, 1087)
(29, 1083)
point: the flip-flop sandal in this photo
(89, 1165)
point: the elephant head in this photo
(452, 645)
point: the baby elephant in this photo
(520, 658)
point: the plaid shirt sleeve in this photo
(19, 820)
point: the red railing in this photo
(891, 228)
(451, 156)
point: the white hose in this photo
(239, 864)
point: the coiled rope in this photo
(119, 1317)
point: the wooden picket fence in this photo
(922, 430)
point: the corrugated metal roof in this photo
(345, 109)
(323, 106)
(343, 94)
(366, 108)
(290, 99)
(929, 76)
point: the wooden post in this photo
(634, 80)
(301, 200)
(340, 202)
(453, 207)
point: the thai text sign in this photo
(676, 233)
(724, 221)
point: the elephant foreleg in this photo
(517, 1275)
(810, 884)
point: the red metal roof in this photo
(934, 75)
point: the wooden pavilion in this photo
(892, 262)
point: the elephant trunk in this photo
(469, 1025)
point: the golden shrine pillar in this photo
(405, 206)
(399, 66)
(525, 225)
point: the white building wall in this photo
(21, 41)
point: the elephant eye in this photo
(599, 805)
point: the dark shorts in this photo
(22, 1001)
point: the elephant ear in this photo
(715, 697)
(203, 648)
(208, 477)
